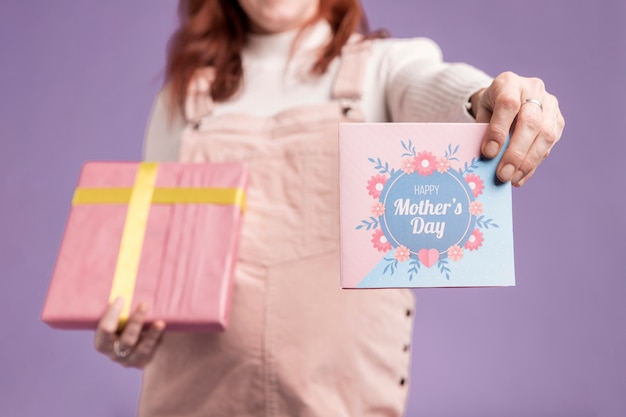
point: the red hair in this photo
(213, 33)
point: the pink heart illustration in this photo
(428, 257)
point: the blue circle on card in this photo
(427, 211)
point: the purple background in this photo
(76, 82)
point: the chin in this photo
(273, 16)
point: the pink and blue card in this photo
(420, 208)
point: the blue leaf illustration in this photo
(414, 268)
(380, 166)
(368, 225)
(408, 147)
(485, 223)
(392, 264)
(450, 152)
(469, 168)
(443, 268)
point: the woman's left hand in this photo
(522, 107)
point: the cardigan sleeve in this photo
(162, 135)
(421, 87)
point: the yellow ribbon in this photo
(195, 195)
(132, 237)
(139, 198)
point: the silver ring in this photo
(534, 101)
(119, 352)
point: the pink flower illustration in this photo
(375, 185)
(407, 165)
(475, 208)
(378, 209)
(475, 183)
(380, 241)
(442, 165)
(475, 241)
(455, 253)
(402, 253)
(424, 163)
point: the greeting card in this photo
(420, 207)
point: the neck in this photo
(285, 44)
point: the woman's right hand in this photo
(134, 346)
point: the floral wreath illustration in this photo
(425, 164)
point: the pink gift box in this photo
(163, 234)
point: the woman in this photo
(267, 82)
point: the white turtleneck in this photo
(275, 80)
(405, 80)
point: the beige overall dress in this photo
(297, 344)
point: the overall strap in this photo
(199, 103)
(349, 82)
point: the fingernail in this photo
(491, 149)
(119, 302)
(517, 177)
(523, 181)
(507, 172)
